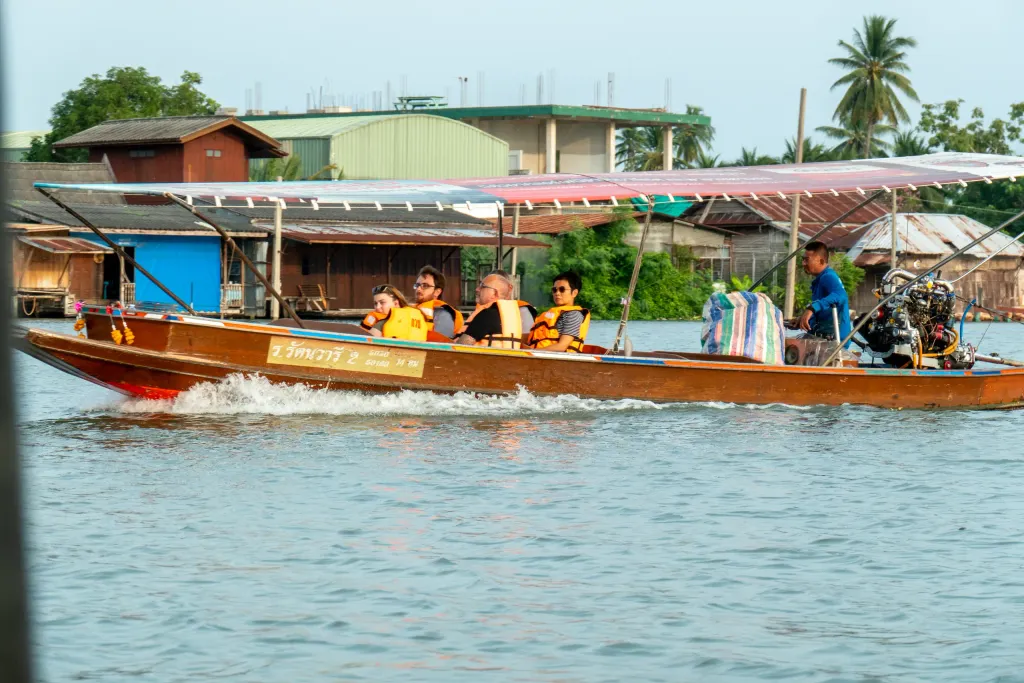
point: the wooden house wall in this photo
(348, 273)
(164, 166)
(997, 283)
(83, 277)
(231, 166)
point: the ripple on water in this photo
(250, 532)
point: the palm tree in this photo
(876, 67)
(691, 141)
(750, 157)
(629, 148)
(908, 144)
(812, 152)
(705, 160)
(852, 138)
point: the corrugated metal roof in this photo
(136, 218)
(385, 146)
(169, 130)
(66, 245)
(20, 139)
(305, 127)
(932, 234)
(556, 224)
(376, 234)
(817, 210)
(336, 213)
(620, 115)
(21, 174)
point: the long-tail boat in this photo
(172, 352)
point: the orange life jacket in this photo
(400, 323)
(427, 308)
(511, 334)
(545, 331)
(479, 307)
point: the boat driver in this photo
(499, 320)
(442, 318)
(827, 292)
(564, 326)
(393, 317)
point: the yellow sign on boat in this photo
(314, 353)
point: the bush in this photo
(605, 264)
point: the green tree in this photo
(813, 151)
(907, 143)
(605, 263)
(987, 203)
(122, 93)
(750, 157)
(641, 149)
(852, 139)
(706, 160)
(691, 141)
(876, 70)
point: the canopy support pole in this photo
(906, 285)
(794, 219)
(241, 255)
(515, 233)
(814, 237)
(620, 333)
(117, 249)
(501, 239)
(275, 308)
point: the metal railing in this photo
(232, 297)
(127, 293)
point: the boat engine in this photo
(916, 329)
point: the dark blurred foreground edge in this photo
(15, 658)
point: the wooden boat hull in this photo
(173, 353)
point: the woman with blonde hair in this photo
(393, 317)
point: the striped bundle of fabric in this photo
(744, 324)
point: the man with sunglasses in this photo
(498, 320)
(564, 326)
(442, 318)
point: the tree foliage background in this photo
(605, 263)
(122, 93)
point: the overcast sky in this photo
(744, 61)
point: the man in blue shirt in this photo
(827, 292)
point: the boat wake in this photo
(254, 394)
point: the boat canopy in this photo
(698, 184)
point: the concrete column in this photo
(610, 147)
(667, 154)
(550, 147)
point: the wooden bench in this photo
(313, 298)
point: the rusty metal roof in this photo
(165, 130)
(815, 211)
(556, 224)
(66, 245)
(931, 234)
(317, 233)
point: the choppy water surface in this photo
(253, 533)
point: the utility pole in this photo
(794, 220)
(895, 234)
(275, 306)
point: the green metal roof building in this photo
(541, 138)
(14, 145)
(386, 146)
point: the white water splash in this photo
(255, 394)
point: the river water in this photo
(252, 533)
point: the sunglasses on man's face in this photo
(560, 290)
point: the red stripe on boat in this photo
(146, 392)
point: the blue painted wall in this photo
(188, 265)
